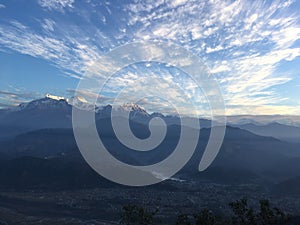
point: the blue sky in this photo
(251, 47)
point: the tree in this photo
(243, 214)
(271, 216)
(183, 219)
(137, 215)
(206, 217)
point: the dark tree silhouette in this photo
(206, 217)
(242, 214)
(245, 215)
(271, 216)
(138, 215)
(183, 219)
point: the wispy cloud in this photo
(2, 6)
(9, 98)
(66, 52)
(263, 110)
(56, 4)
(242, 42)
(48, 25)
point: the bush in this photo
(242, 214)
(138, 215)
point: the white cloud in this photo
(253, 38)
(263, 110)
(285, 37)
(56, 4)
(15, 96)
(2, 6)
(219, 69)
(176, 3)
(68, 52)
(48, 25)
(217, 48)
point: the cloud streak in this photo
(243, 43)
(15, 97)
(56, 4)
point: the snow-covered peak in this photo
(81, 103)
(76, 99)
(133, 107)
(44, 103)
(54, 97)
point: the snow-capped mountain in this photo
(56, 112)
(37, 114)
(136, 112)
(44, 104)
(134, 108)
(81, 103)
(54, 97)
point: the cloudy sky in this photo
(252, 49)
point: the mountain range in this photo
(56, 112)
(41, 130)
(274, 129)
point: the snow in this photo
(54, 97)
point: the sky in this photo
(251, 48)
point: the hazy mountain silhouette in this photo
(277, 130)
(42, 129)
(242, 155)
(51, 113)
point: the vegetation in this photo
(137, 215)
(245, 215)
(241, 214)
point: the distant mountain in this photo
(289, 187)
(38, 114)
(43, 129)
(52, 174)
(46, 143)
(56, 112)
(277, 130)
(134, 108)
(292, 120)
(43, 104)
(245, 151)
(241, 151)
